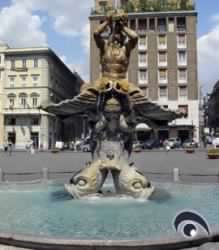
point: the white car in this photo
(172, 142)
(215, 142)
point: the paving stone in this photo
(209, 246)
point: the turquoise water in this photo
(50, 211)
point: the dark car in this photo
(152, 143)
(190, 143)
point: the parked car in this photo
(137, 147)
(173, 143)
(215, 142)
(190, 143)
(85, 147)
(152, 143)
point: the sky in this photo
(63, 26)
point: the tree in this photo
(129, 7)
(183, 4)
(143, 5)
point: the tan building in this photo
(31, 77)
(164, 64)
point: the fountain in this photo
(114, 107)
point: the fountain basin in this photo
(46, 212)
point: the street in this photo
(157, 165)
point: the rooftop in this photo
(147, 6)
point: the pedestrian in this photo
(10, 147)
(166, 145)
(31, 147)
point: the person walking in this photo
(10, 147)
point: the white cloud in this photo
(70, 16)
(19, 28)
(85, 37)
(208, 57)
(70, 19)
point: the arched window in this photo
(23, 99)
(35, 99)
(11, 99)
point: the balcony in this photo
(142, 64)
(182, 63)
(181, 46)
(162, 64)
(142, 31)
(181, 28)
(162, 46)
(142, 47)
(142, 82)
(163, 81)
(19, 69)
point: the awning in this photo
(142, 127)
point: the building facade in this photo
(30, 77)
(213, 110)
(163, 65)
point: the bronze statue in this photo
(114, 107)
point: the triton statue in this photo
(114, 107)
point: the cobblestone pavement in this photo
(158, 165)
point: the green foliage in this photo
(163, 5)
(129, 7)
(149, 6)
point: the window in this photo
(23, 77)
(35, 63)
(35, 121)
(35, 77)
(162, 58)
(162, 41)
(11, 79)
(181, 41)
(142, 25)
(35, 98)
(142, 41)
(181, 24)
(11, 121)
(171, 24)
(12, 64)
(182, 75)
(163, 92)
(23, 100)
(24, 63)
(11, 100)
(132, 24)
(182, 58)
(162, 25)
(162, 75)
(151, 24)
(184, 109)
(183, 91)
(142, 58)
(142, 76)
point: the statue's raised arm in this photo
(100, 42)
